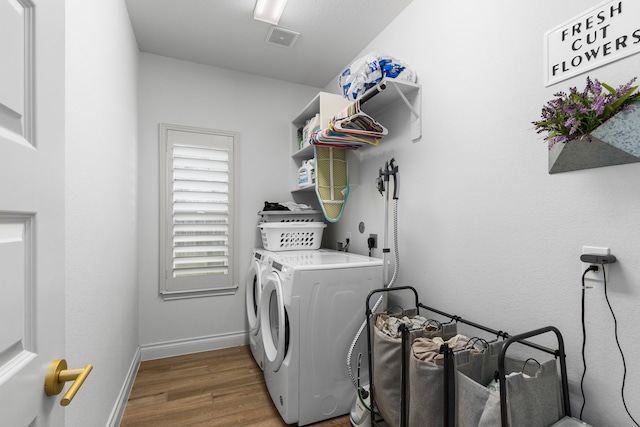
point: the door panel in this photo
(14, 246)
(14, 22)
(31, 208)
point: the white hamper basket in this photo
(291, 236)
(291, 216)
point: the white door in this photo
(31, 208)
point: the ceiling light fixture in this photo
(269, 10)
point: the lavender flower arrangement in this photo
(571, 116)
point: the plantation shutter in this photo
(198, 206)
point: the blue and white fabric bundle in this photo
(364, 73)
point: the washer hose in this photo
(354, 380)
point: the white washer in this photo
(258, 269)
(312, 305)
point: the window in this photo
(196, 212)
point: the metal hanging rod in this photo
(499, 334)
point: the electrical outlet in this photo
(595, 276)
(375, 240)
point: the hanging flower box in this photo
(597, 127)
(615, 142)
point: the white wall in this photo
(101, 205)
(260, 109)
(485, 232)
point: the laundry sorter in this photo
(463, 381)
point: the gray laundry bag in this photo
(533, 400)
(427, 387)
(387, 367)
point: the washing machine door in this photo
(273, 317)
(253, 294)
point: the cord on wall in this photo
(584, 338)
(601, 259)
(624, 364)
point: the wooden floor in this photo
(215, 388)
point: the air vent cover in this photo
(281, 37)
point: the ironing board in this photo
(332, 181)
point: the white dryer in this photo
(258, 269)
(313, 303)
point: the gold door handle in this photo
(58, 374)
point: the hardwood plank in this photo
(209, 389)
(145, 401)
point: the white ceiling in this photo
(223, 33)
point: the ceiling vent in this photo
(281, 37)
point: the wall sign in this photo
(604, 33)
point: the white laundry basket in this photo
(291, 216)
(291, 236)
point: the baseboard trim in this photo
(115, 418)
(193, 345)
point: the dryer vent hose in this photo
(396, 266)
